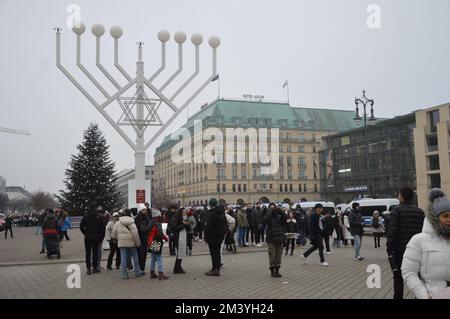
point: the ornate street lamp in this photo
(364, 101)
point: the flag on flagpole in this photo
(285, 83)
(215, 78)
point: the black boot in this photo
(277, 272)
(272, 272)
(292, 251)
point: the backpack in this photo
(376, 222)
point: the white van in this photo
(329, 207)
(368, 206)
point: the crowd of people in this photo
(417, 242)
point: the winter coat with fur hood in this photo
(427, 254)
(126, 233)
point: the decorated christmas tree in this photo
(90, 177)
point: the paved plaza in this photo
(245, 275)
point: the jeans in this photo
(398, 279)
(259, 234)
(113, 250)
(142, 253)
(241, 235)
(157, 258)
(301, 240)
(124, 253)
(326, 239)
(99, 258)
(317, 243)
(91, 248)
(250, 231)
(275, 252)
(215, 251)
(357, 239)
(38, 230)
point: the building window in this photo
(284, 123)
(289, 162)
(300, 188)
(435, 180)
(281, 188)
(254, 186)
(239, 188)
(234, 173)
(289, 149)
(314, 149)
(281, 173)
(433, 162)
(288, 137)
(286, 188)
(281, 161)
(301, 138)
(289, 173)
(315, 174)
(234, 188)
(433, 117)
(432, 143)
(304, 188)
(281, 148)
(255, 175)
(245, 188)
(270, 186)
(315, 188)
(301, 149)
(218, 188)
(224, 188)
(243, 173)
(290, 188)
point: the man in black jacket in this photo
(92, 228)
(170, 213)
(251, 229)
(356, 229)
(316, 234)
(258, 215)
(406, 220)
(275, 219)
(215, 230)
(8, 226)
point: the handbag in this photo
(155, 247)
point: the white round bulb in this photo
(214, 41)
(180, 37)
(98, 29)
(116, 31)
(163, 35)
(197, 38)
(79, 28)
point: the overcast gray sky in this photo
(323, 47)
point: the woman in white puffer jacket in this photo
(428, 253)
(126, 234)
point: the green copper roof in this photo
(236, 113)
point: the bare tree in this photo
(21, 205)
(41, 200)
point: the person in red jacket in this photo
(155, 244)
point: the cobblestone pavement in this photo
(245, 275)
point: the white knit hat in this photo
(141, 207)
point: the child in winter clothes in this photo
(157, 235)
(291, 233)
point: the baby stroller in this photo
(52, 244)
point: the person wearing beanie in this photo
(275, 219)
(215, 230)
(406, 220)
(142, 221)
(316, 235)
(179, 225)
(113, 248)
(190, 233)
(426, 267)
(155, 244)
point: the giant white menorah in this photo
(139, 111)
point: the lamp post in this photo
(364, 101)
(139, 111)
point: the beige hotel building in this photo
(300, 134)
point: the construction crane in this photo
(13, 131)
